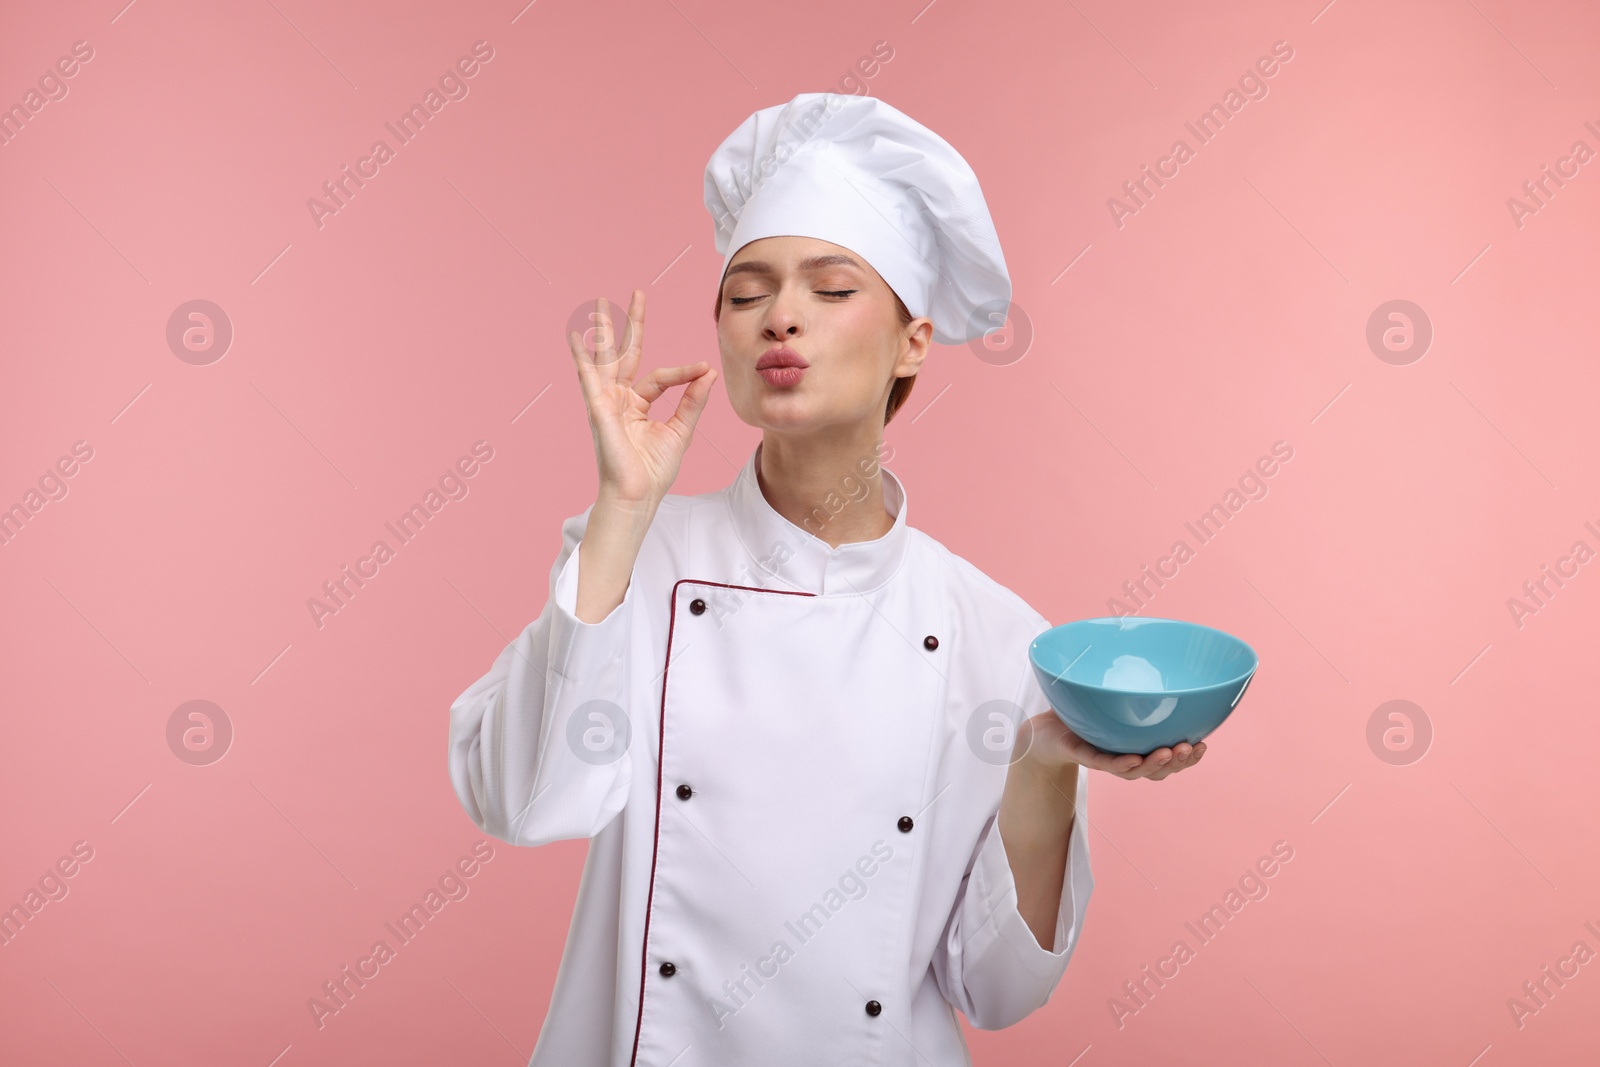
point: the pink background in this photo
(1229, 313)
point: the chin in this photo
(787, 412)
(784, 418)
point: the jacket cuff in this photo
(581, 651)
(997, 887)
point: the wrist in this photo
(622, 513)
(1043, 755)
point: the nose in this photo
(783, 316)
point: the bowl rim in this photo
(1245, 677)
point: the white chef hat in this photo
(856, 172)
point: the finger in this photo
(1117, 763)
(595, 333)
(605, 334)
(658, 381)
(1195, 755)
(1154, 763)
(693, 402)
(587, 375)
(1121, 764)
(629, 364)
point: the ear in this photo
(917, 342)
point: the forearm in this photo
(1037, 810)
(607, 554)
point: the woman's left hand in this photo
(1051, 745)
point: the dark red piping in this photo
(661, 743)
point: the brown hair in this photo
(902, 386)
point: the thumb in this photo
(693, 402)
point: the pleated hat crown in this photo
(854, 171)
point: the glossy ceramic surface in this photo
(1135, 684)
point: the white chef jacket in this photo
(777, 749)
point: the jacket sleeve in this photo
(988, 963)
(539, 746)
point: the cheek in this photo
(737, 375)
(861, 335)
(739, 338)
(727, 339)
(872, 365)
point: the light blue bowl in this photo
(1135, 685)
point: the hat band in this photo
(829, 203)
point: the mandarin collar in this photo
(791, 556)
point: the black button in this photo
(684, 792)
(930, 642)
(873, 1007)
(697, 606)
(668, 969)
(905, 824)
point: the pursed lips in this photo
(782, 356)
(781, 367)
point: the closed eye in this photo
(740, 301)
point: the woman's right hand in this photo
(638, 458)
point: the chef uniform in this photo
(788, 757)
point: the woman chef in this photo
(828, 804)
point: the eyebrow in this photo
(756, 266)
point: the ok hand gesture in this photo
(638, 458)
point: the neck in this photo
(832, 489)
